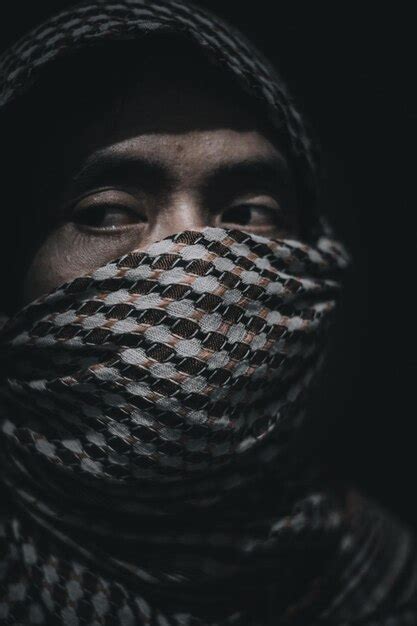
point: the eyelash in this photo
(91, 218)
(88, 211)
(238, 212)
(248, 205)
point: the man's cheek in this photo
(68, 253)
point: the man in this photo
(168, 305)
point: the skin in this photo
(171, 155)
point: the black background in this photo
(352, 74)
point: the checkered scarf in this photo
(165, 385)
(148, 411)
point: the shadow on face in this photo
(124, 156)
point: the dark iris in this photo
(238, 215)
(93, 216)
(253, 214)
(106, 215)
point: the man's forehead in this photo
(187, 117)
(216, 146)
(190, 131)
(223, 154)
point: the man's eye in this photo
(251, 214)
(106, 216)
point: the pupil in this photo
(239, 215)
(94, 216)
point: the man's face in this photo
(171, 156)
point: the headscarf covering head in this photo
(153, 398)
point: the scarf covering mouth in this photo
(174, 361)
(146, 415)
(164, 387)
(147, 409)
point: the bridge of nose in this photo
(182, 210)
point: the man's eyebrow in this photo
(104, 167)
(271, 173)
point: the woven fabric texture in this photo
(148, 410)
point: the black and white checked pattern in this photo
(147, 410)
(154, 400)
(180, 357)
(167, 383)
